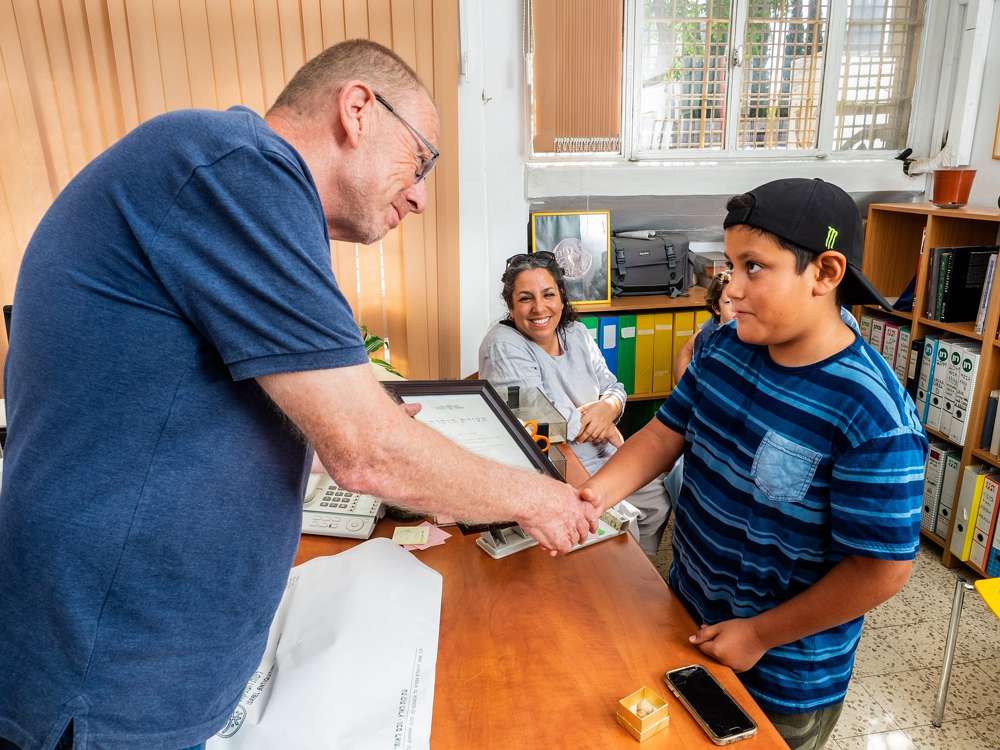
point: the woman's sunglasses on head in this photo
(545, 257)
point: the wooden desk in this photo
(535, 652)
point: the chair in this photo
(989, 590)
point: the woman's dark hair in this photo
(803, 257)
(714, 294)
(528, 262)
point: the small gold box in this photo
(643, 713)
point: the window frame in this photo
(922, 106)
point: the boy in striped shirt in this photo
(804, 462)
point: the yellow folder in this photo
(966, 509)
(683, 330)
(645, 327)
(663, 360)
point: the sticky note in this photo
(411, 535)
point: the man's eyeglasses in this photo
(545, 257)
(426, 163)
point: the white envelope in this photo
(350, 658)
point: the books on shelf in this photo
(949, 489)
(985, 524)
(914, 368)
(878, 333)
(663, 351)
(967, 509)
(944, 265)
(902, 355)
(945, 384)
(644, 328)
(984, 298)
(865, 325)
(639, 348)
(936, 384)
(957, 287)
(989, 422)
(926, 377)
(626, 352)
(683, 330)
(934, 483)
(992, 566)
(607, 340)
(960, 385)
(890, 338)
(890, 342)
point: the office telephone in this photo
(331, 511)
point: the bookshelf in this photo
(692, 301)
(893, 254)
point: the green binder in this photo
(626, 352)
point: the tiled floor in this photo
(891, 697)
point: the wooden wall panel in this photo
(446, 174)
(248, 55)
(224, 64)
(110, 93)
(25, 175)
(312, 28)
(198, 52)
(122, 52)
(76, 75)
(356, 19)
(332, 15)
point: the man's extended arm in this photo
(369, 445)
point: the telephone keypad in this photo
(338, 512)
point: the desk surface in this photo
(535, 652)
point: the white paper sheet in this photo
(350, 657)
(466, 419)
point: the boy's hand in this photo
(734, 643)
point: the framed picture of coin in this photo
(581, 242)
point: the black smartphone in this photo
(711, 706)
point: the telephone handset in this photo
(331, 511)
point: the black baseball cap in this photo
(817, 216)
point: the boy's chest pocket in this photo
(782, 469)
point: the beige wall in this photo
(75, 75)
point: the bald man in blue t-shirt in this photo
(177, 330)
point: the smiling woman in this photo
(541, 344)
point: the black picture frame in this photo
(416, 388)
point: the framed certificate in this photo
(472, 414)
(581, 242)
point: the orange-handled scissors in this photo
(531, 425)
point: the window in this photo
(877, 72)
(654, 79)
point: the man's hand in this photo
(561, 520)
(411, 410)
(595, 419)
(734, 643)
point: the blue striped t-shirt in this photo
(787, 470)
